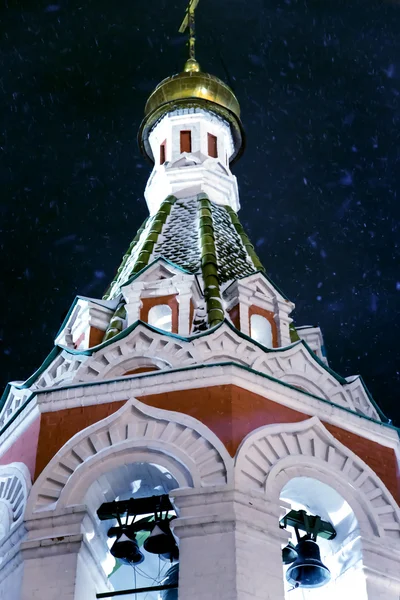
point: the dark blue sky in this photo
(319, 87)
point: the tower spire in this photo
(189, 23)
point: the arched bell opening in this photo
(139, 480)
(341, 555)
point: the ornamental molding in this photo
(137, 432)
(257, 289)
(15, 484)
(294, 364)
(146, 347)
(272, 455)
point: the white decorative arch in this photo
(272, 455)
(136, 433)
(15, 484)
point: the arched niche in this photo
(272, 455)
(343, 555)
(132, 480)
(189, 450)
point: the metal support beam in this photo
(156, 588)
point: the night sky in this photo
(319, 87)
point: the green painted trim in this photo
(294, 336)
(209, 262)
(245, 239)
(26, 384)
(155, 229)
(125, 257)
(69, 313)
(370, 398)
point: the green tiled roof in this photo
(173, 233)
(196, 235)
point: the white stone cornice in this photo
(203, 377)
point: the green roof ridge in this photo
(157, 224)
(125, 257)
(209, 263)
(294, 336)
(116, 322)
(155, 229)
(245, 239)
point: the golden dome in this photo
(192, 88)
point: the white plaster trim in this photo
(293, 364)
(272, 455)
(136, 432)
(204, 377)
(15, 485)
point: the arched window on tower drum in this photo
(261, 330)
(160, 316)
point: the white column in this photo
(381, 568)
(283, 321)
(133, 302)
(185, 295)
(58, 560)
(230, 546)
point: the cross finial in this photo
(188, 21)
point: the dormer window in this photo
(212, 145)
(186, 141)
(160, 316)
(261, 330)
(163, 152)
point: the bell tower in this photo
(184, 438)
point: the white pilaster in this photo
(230, 546)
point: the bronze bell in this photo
(126, 548)
(307, 570)
(161, 541)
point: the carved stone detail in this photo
(295, 365)
(271, 449)
(193, 447)
(15, 484)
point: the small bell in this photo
(289, 554)
(126, 548)
(162, 542)
(307, 570)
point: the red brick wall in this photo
(56, 428)
(235, 316)
(232, 413)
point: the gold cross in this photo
(188, 21)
